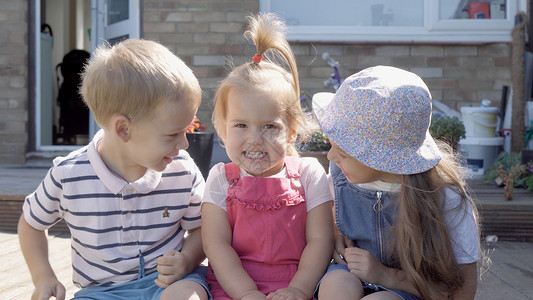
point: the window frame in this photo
(434, 29)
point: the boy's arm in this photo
(34, 246)
(192, 248)
(174, 265)
(317, 253)
(216, 239)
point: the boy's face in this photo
(256, 133)
(157, 138)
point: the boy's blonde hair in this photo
(133, 77)
(266, 77)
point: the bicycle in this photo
(318, 141)
(334, 80)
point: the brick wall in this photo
(458, 75)
(206, 33)
(13, 81)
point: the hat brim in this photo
(321, 100)
(413, 160)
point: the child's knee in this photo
(339, 276)
(184, 289)
(340, 282)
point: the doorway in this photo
(69, 31)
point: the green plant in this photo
(317, 142)
(527, 180)
(504, 161)
(508, 170)
(447, 129)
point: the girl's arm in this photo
(468, 291)
(341, 242)
(367, 267)
(216, 240)
(317, 253)
(34, 246)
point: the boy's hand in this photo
(44, 289)
(289, 293)
(171, 266)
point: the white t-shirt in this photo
(312, 176)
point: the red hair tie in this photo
(257, 58)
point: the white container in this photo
(480, 152)
(480, 121)
(529, 114)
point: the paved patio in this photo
(510, 276)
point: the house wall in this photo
(206, 33)
(13, 81)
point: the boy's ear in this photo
(121, 127)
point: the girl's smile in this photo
(255, 155)
(256, 133)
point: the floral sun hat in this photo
(381, 117)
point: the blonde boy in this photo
(130, 195)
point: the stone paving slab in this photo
(510, 276)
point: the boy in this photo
(129, 196)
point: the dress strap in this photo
(232, 173)
(292, 165)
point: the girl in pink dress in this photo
(267, 227)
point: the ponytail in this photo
(265, 74)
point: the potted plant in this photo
(509, 171)
(316, 146)
(200, 145)
(527, 179)
(447, 129)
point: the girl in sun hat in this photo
(406, 228)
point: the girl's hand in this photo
(254, 295)
(364, 265)
(171, 266)
(341, 243)
(288, 293)
(48, 287)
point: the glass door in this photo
(113, 21)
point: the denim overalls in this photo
(364, 216)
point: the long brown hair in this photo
(421, 242)
(268, 77)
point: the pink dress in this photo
(267, 216)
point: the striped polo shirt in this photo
(116, 226)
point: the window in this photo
(463, 21)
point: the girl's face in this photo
(257, 133)
(355, 171)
